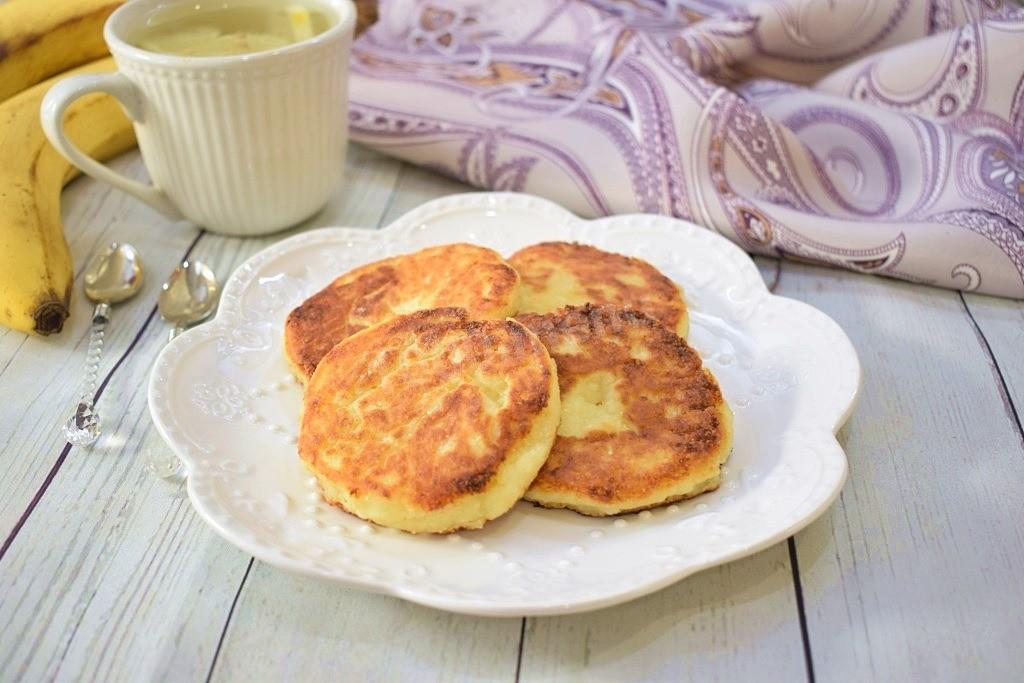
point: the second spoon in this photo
(189, 296)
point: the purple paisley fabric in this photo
(884, 136)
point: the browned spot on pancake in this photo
(462, 275)
(672, 429)
(326, 318)
(600, 277)
(423, 409)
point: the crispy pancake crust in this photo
(643, 423)
(432, 421)
(557, 274)
(460, 275)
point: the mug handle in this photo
(51, 115)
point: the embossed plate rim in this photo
(745, 290)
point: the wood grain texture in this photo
(1000, 322)
(416, 186)
(737, 622)
(915, 573)
(912, 575)
(728, 623)
(351, 634)
(290, 628)
(40, 376)
(113, 575)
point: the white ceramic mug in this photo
(241, 145)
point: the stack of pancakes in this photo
(444, 385)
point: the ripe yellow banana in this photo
(35, 264)
(40, 38)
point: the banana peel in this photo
(36, 271)
(42, 38)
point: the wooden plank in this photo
(1001, 324)
(728, 623)
(732, 623)
(40, 376)
(416, 186)
(749, 601)
(745, 614)
(44, 373)
(915, 573)
(293, 628)
(113, 576)
(350, 634)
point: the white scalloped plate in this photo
(223, 398)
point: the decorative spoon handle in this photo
(83, 428)
(162, 462)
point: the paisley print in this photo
(1007, 236)
(888, 137)
(970, 274)
(843, 31)
(1002, 170)
(988, 171)
(952, 90)
(478, 165)
(758, 141)
(847, 131)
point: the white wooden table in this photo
(916, 573)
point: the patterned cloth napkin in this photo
(884, 136)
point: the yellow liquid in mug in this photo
(215, 28)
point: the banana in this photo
(40, 38)
(36, 272)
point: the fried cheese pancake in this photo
(459, 275)
(556, 274)
(432, 421)
(643, 423)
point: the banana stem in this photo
(83, 428)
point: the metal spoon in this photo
(189, 295)
(112, 276)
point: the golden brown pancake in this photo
(432, 421)
(643, 423)
(460, 275)
(556, 274)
